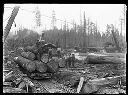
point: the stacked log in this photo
(25, 63)
(35, 60)
(28, 62)
(62, 63)
(44, 58)
(29, 55)
(32, 49)
(40, 66)
(53, 66)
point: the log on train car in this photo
(62, 63)
(40, 66)
(29, 55)
(32, 49)
(53, 66)
(25, 63)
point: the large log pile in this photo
(34, 60)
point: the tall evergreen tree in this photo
(38, 17)
(84, 34)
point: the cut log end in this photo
(40, 66)
(53, 66)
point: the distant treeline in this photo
(64, 38)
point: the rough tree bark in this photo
(102, 59)
(53, 66)
(40, 66)
(25, 63)
(28, 55)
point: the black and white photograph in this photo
(64, 48)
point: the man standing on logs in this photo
(40, 43)
(50, 53)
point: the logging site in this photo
(64, 48)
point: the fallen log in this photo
(89, 88)
(106, 90)
(104, 81)
(120, 55)
(13, 90)
(102, 59)
(25, 63)
(53, 66)
(109, 90)
(95, 84)
(29, 55)
(40, 66)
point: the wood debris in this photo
(84, 78)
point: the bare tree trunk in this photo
(84, 35)
(10, 22)
(116, 42)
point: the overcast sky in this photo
(103, 14)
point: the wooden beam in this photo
(80, 84)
